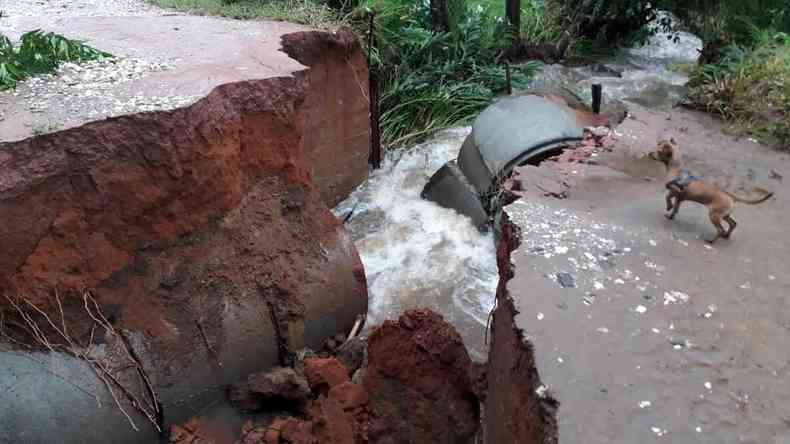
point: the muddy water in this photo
(417, 254)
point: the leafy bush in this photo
(431, 81)
(750, 86)
(39, 53)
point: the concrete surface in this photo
(660, 337)
(174, 61)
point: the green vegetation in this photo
(306, 12)
(434, 80)
(750, 86)
(39, 53)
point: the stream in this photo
(419, 255)
(649, 75)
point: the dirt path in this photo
(660, 337)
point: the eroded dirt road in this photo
(642, 331)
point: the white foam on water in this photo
(678, 47)
(418, 254)
(647, 74)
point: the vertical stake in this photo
(597, 94)
(373, 92)
(507, 79)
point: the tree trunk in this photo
(440, 16)
(513, 12)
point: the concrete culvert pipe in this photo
(512, 131)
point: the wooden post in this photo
(507, 79)
(513, 13)
(440, 16)
(374, 158)
(597, 95)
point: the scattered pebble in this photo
(644, 404)
(675, 297)
(540, 316)
(541, 391)
(91, 90)
(698, 429)
(652, 243)
(708, 385)
(602, 330)
(640, 309)
(746, 285)
(656, 331)
(598, 286)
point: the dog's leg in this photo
(676, 208)
(670, 205)
(715, 219)
(731, 222)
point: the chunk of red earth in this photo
(324, 373)
(349, 395)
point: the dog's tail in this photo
(768, 195)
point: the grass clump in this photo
(434, 80)
(39, 53)
(750, 87)
(314, 13)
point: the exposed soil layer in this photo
(199, 232)
(337, 129)
(418, 386)
(516, 408)
(421, 381)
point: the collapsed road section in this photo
(139, 271)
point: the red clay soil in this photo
(421, 382)
(324, 374)
(419, 386)
(200, 228)
(337, 128)
(514, 412)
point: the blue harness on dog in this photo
(683, 179)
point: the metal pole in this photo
(507, 79)
(597, 95)
(373, 91)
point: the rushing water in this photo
(650, 74)
(419, 255)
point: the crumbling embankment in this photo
(160, 256)
(516, 409)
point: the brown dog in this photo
(683, 186)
